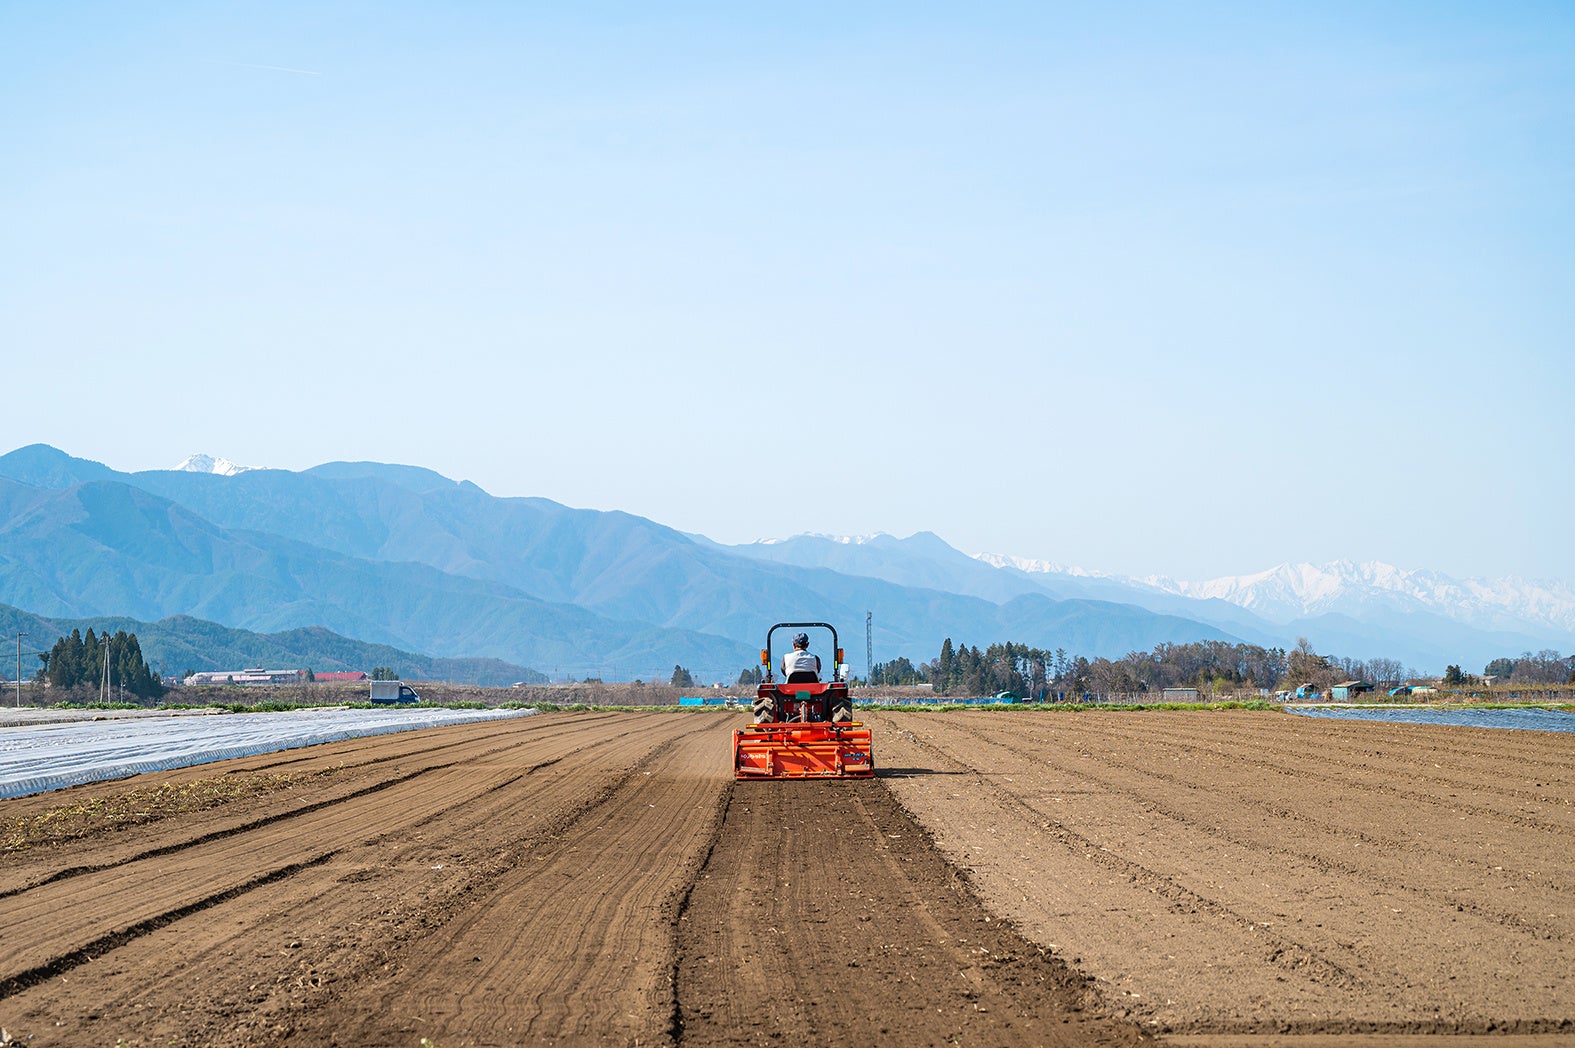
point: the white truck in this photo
(390, 692)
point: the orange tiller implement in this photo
(804, 729)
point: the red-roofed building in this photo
(326, 677)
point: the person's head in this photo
(801, 640)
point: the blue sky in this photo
(1182, 289)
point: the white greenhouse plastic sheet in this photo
(52, 756)
(1531, 719)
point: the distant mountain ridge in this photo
(115, 546)
(1423, 618)
(403, 556)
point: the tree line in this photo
(1531, 668)
(1039, 673)
(80, 662)
(1208, 665)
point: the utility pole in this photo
(869, 645)
(19, 637)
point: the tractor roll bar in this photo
(836, 649)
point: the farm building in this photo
(1349, 690)
(330, 678)
(254, 677)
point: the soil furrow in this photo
(1290, 766)
(825, 916)
(175, 846)
(58, 966)
(577, 938)
(202, 866)
(369, 751)
(1426, 926)
(1285, 953)
(1424, 752)
(1390, 860)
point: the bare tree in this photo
(1545, 667)
(1386, 672)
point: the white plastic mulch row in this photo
(1532, 719)
(45, 757)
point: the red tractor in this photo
(804, 728)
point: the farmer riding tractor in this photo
(804, 726)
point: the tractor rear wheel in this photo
(765, 709)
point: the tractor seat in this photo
(803, 677)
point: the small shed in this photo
(1348, 690)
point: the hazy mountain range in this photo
(179, 644)
(401, 556)
(1289, 592)
(1423, 619)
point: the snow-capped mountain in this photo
(1371, 607)
(208, 464)
(1362, 591)
(1292, 591)
(840, 540)
(1038, 567)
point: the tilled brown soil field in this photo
(1227, 878)
(565, 878)
(1262, 878)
